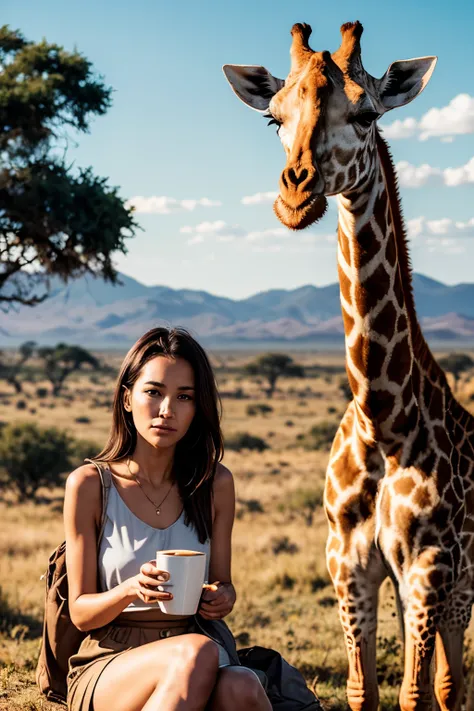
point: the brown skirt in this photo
(106, 643)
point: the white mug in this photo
(187, 571)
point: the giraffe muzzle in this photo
(306, 213)
(301, 201)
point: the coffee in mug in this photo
(187, 571)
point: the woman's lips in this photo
(162, 429)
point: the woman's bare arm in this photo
(88, 608)
(218, 603)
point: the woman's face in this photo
(162, 401)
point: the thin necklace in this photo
(156, 507)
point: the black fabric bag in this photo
(286, 687)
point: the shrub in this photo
(321, 435)
(244, 440)
(41, 393)
(83, 420)
(259, 409)
(284, 545)
(21, 405)
(82, 449)
(33, 456)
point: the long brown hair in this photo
(199, 451)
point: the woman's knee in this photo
(241, 688)
(199, 653)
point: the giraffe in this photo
(399, 495)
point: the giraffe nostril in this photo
(296, 179)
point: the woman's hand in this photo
(217, 600)
(144, 585)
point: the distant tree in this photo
(10, 370)
(345, 389)
(56, 220)
(456, 364)
(33, 456)
(272, 366)
(61, 361)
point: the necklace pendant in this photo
(158, 512)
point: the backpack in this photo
(285, 685)
(61, 638)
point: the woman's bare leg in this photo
(238, 688)
(173, 674)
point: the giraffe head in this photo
(326, 112)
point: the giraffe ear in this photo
(254, 85)
(404, 80)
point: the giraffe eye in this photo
(273, 120)
(365, 119)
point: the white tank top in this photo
(128, 542)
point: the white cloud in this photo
(441, 235)
(439, 227)
(415, 226)
(459, 176)
(219, 230)
(413, 176)
(454, 119)
(163, 205)
(405, 128)
(457, 118)
(197, 239)
(259, 198)
(275, 239)
(276, 233)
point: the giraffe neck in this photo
(384, 344)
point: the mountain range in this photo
(94, 313)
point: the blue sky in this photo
(176, 132)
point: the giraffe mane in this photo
(420, 345)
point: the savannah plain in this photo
(284, 596)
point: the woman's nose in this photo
(166, 408)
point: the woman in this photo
(168, 490)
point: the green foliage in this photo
(82, 449)
(61, 361)
(33, 456)
(64, 220)
(273, 366)
(244, 440)
(321, 435)
(10, 369)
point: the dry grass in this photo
(285, 599)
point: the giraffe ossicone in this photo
(399, 493)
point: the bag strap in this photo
(106, 481)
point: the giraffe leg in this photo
(358, 598)
(449, 683)
(416, 691)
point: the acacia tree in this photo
(9, 370)
(55, 220)
(273, 366)
(61, 361)
(33, 456)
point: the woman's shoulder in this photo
(223, 481)
(84, 482)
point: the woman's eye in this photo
(186, 397)
(366, 119)
(152, 392)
